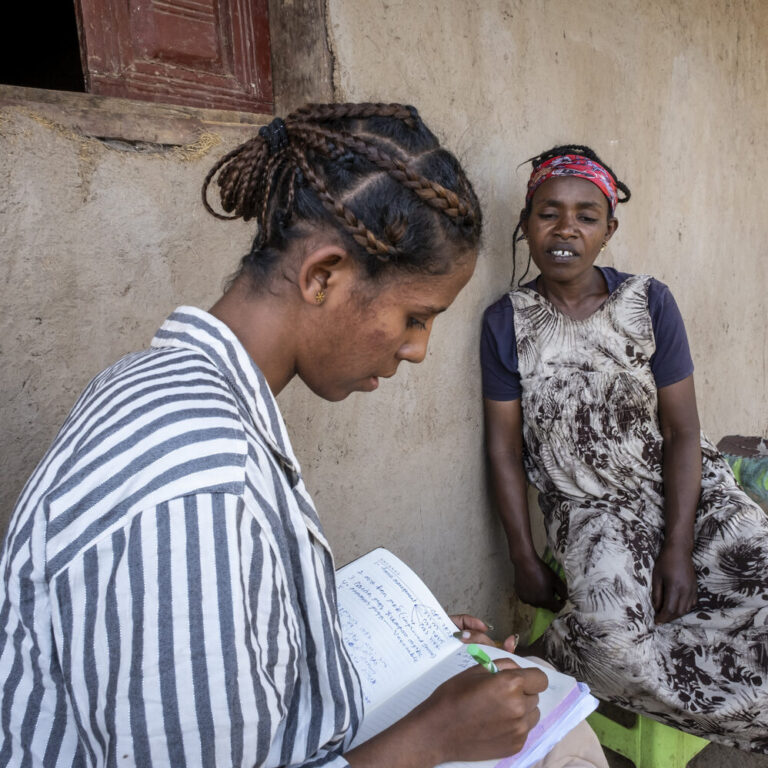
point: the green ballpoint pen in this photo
(481, 657)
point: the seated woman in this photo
(588, 387)
(169, 593)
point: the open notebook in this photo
(400, 640)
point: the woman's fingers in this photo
(554, 605)
(505, 664)
(533, 680)
(557, 596)
(666, 612)
(510, 644)
(656, 593)
(673, 585)
(465, 621)
(480, 715)
(685, 603)
(673, 600)
(467, 636)
(474, 715)
(474, 630)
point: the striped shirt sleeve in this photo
(168, 589)
(176, 640)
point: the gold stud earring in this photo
(602, 247)
(319, 297)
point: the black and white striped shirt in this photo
(169, 594)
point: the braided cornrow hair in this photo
(375, 172)
(536, 162)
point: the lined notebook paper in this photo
(400, 640)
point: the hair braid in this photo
(241, 189)
(234, 155)
(327, 112)
(516, 238)
(315, 167)
(292, 184)
(430, 192)
(271, 171)
(359, 232)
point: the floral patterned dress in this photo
(594, 451)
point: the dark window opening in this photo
(212, 54)
(40, 47)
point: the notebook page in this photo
(378, 718)
(392, 625)
(381, 716)
(400, 641)
(562, 706)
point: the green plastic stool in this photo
(647, 743)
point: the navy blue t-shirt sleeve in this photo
(498, 352)
(671, 362)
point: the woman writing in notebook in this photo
(589, 395)
(169, 592)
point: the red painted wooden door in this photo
(201, 53)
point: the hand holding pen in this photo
(474, 715)
(487, 711)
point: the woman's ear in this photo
(613, 225)
(324, 271)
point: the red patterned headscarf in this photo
(574, 165)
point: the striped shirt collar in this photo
(194, 329)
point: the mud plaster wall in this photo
(99, 244)
(100, 241)
(674, 97)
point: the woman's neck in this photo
(262, 325)
(577, 298)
